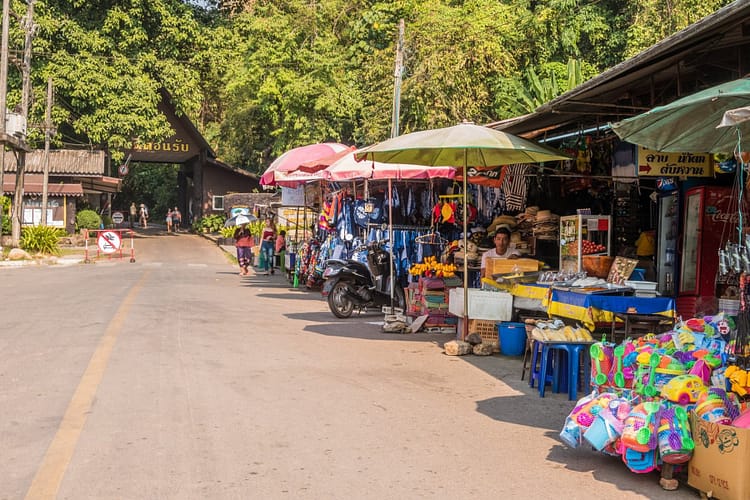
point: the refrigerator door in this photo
(691, 239)
(666, 247)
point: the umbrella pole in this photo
(466, 260)
(390, 237)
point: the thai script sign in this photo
(173, 145)
(658, 164)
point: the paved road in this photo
(175, 378)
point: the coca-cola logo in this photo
(734, 218)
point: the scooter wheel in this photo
(339, 302)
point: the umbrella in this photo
(313, 166)
(348, 168)
(294, 179)
(735, 117)
(238, 220)
(464, 145)
(690, 124)
(292, 159)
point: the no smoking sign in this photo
(108, 242)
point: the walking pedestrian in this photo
(281, 249)
(133, 214)
(268, 240)
(143, 214)
(168, 220)
(176, 219)
(243, 241)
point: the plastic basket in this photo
(485, 328)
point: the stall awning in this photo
(33, 186)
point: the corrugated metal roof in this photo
(711, 51)
(33, 185)
(61, 162)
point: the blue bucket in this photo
(512, 337)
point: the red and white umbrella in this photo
(313, 166)
(348, 168)
(292, 159)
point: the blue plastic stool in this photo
(569, 367)
(540, 359)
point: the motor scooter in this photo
(350, 283)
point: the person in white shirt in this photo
(503, 248)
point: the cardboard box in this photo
(721, 460)
(497, 265)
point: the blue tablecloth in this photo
(592, 308)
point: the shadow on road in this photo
(354, 330)
(612, 470)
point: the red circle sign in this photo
(108, 242)
(123, 169)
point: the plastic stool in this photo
(541, 364)
(572, 369)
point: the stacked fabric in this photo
(546, 225)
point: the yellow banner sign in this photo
(656, 164)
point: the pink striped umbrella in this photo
(348, 168)
(292, 159)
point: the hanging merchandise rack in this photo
(431, 238)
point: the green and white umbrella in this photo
(691, 124)
(461, 146)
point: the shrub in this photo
(41, 239)
(5, 207)
(87, 219)
(227, 232)
(212, 223)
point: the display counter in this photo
(590, 309)
(529, 297)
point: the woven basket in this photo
(597, 265)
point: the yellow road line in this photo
(50, 474)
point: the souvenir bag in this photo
(675, 442)
(601, 364)
(582, 416)
(639, 438)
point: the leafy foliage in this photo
(5, 207)
(259, 77)
(41, 239)
(211, 223)
(88, 219)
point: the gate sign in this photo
(118, 218)
(108, 242)
(659, 164)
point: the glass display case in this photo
(666, 246)
(583, 235)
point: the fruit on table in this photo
(431, 267)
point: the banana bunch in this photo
(431, 267)
(565, 334)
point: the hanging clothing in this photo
(514, 187)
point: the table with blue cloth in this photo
(590, 309)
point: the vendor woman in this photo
(504, 249)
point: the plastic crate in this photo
(486, 329)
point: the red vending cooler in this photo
(710, 219)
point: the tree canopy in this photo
(259, 77)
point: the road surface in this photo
(175, 378)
